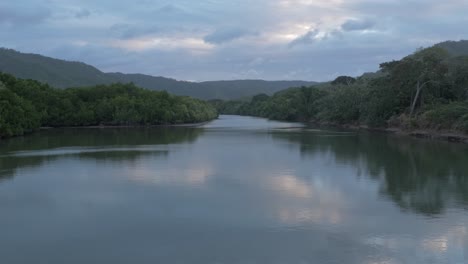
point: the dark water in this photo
(239, 190)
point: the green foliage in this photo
(341, 105)
(309, 99)
(227, 107)
(281, 106)
(291, 104)
(380, 103)
(448, 116)
(17, 116)
(462, 123)
(428, 89)
(455, 48)
(419, 78)
(27, 105)
(343, 80)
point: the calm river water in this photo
(238, 190)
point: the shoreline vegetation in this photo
(134, 126)
(28, 105)
(423, 95)
(447, 135)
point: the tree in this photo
(458, 78)
(418, 70)
(26, 105)
(17, 116)
(344, 80)
(308, 101)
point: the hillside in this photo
(244, 88)
(424, 94)
(455, 48)
(58, 73)
(63, 74)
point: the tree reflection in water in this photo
(109, 144)
(419, 175)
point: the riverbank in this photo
(451, 136)
(433, 135)
(135, 126)
(116, 126)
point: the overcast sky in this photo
(229, 39)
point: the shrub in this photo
(449, 116)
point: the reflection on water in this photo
(168, 175)
(238, 190)
(418, 175)
(120, 144)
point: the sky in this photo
(228, 39)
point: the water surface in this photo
(237, 190)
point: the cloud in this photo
(161, 43)
(83, 13)
(170, 8)
(314, 36)
(23, 16)
(353, 24)
(220, 39)
(128, 31)
(307, 38)
(227, 34)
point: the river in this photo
(238, 190)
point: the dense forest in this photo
(26, 105)
(65, 74)
(426, 90)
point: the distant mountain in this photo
(58, 73)
(244, 88)
(62, 74)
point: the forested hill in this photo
(63, 74)
(455, 48)
(57, 73)
(427, 90)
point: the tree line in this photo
(26, 105)
(426, 90)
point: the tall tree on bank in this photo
(416, 72)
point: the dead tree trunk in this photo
(416, 97)
(419, 87)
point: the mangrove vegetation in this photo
(26, 105)
(426, 90)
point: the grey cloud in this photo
(128, 31)
(170, 8)
(353, 24)
(315, 36)
(413, 10)
(83, 13)
(227, 34)
(307, 38)
(322, 61)
(174, 14)
(23, 16)
(328, 49)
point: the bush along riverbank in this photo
(26, 105)
(424, 94)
